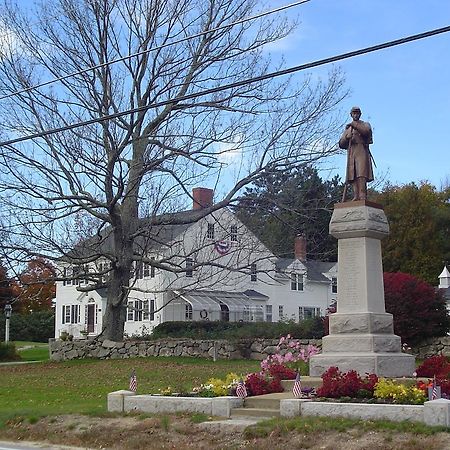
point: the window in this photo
(296, 282)
(146, 270)
(130, 314)
(233, 233)
(152, 268)
(188, 312)
(145, 309)
(152, 309)
(334, 286)
(308, 312)
(189, 270)
(71, 314)
(68, 276)
(104, 267)
(268, 313)
(246, 314)
(280, 311)
(253, 273)
(138, 310)
(210, 231)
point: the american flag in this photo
(133, 381)
(241, 392)
(297, 389)
(434, 392)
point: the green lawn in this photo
(49, 388)
(32, 351)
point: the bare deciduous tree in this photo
(100, 178)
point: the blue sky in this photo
(404, 92)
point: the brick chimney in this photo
(203, 197)
(300, 247)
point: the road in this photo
(35, 446)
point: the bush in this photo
(419, 310)
(306, 329)
(8, 352)
(438, 366)
(281, 372)
(399, 393)
(337, 384)
(259, 384)
(38, 326)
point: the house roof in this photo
(150, 236)
(315, 269)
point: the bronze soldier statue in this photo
(356, 138)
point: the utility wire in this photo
(236, 84)
(143, 52)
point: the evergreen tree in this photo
(283, 205)
(419, 220)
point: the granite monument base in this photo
(361, 331)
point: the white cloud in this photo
(229, 152)
(9, 41)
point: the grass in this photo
(81, 386)
(315, 425)
(32, 351)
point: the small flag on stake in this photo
(241, 391)
(133, 381)
(297, 389)
(434, 392)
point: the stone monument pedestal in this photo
(361, 332)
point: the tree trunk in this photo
(114, 321)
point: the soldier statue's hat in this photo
(355, 108)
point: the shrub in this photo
(306, 329)
(437, 365)
(291, 354)
(337, 384)
(8, 352)
(281, 372)
(38, 326)
(260, 384)
(419, 310)
(399, 393)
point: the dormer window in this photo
(253, 272)
(334, 286)
(297, 282)
(233, 233)
(210, 231)
(189, 265)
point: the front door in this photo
(91, 318)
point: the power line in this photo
(143, 52)
(236, 84)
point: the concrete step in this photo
(311, 382)
(262, 402)
(255, 412)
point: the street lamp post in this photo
(8, 312)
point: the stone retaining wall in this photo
(432, 346)
(256, 349)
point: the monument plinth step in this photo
(376, 343)
(382, 364)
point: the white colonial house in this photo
(227, 274)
